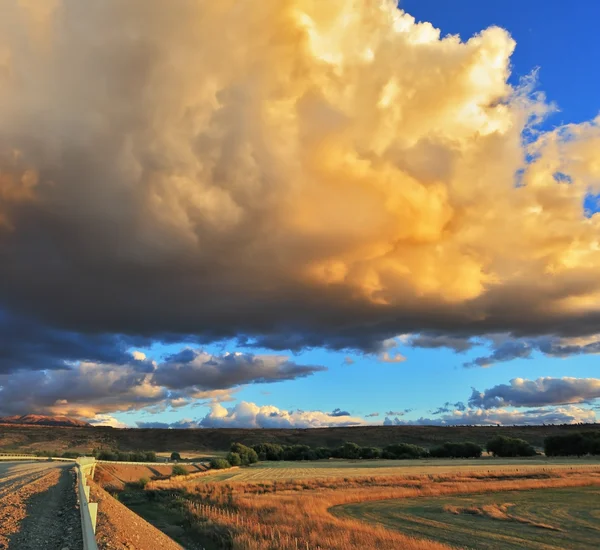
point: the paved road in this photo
(38, 506)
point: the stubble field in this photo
(499, 504)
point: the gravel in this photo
(38, 507)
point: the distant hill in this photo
(28, 437)
(41, 420)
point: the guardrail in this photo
(89, 510)
(157, 463)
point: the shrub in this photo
(348, 450)
(71, 454)
(178, 470)
(175, 456)
(234, 459)
(143, 482)
(219, 464)
(509, 447)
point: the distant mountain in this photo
(40, 420)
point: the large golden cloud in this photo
(300, 171)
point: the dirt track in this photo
(38, 507)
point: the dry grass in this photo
(288, 515)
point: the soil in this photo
(119, 528)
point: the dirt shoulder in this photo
(41, 511)
(118, 528)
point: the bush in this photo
(509, 447)
(175, 456)
(219, 464)
(71, 454)
(456, 450)
(575, 444)
(234, 459)
(404, 451)
(178, 470)
(143, 482)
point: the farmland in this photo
(335, 469)
(545, 519)
(343, 505)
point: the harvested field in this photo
(305, 513)
(544, 519)
(272, 471)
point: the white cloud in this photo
(250, 415)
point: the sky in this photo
(299, 213)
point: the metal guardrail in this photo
(88, 510)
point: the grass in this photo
(286, 514)
(544, 519)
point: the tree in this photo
(175, 456)
(247, 454)
(404, 451)
(509, 447)
(268, 451)
(348, 450)
(234, 459)
(370, 452)
(456, 450)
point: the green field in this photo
(271, 471)
(543, 519)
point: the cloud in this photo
(476, 416)
(535, 393)
(398, 413)
(448, 406)
(372, 415)
(455, 343)
(505, 348)
(207, 372)
(348, 360)
(107, 420)
(339, 413)
(159, 179)
(249, 415)
(89, 389)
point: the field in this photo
(273, 471)
(543, 519)
(337, 505)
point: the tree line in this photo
(242, 455)
(575, 444)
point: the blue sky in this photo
(300, 195)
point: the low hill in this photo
(41, 420)
(39, 438)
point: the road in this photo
(38, 506)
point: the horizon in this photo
(301, 216)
